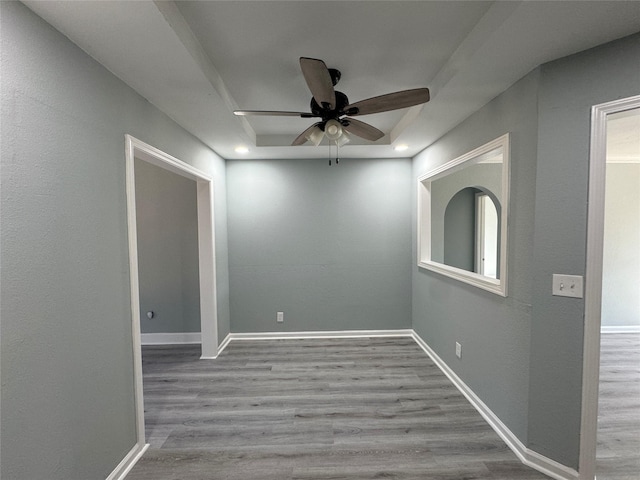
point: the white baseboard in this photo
(320, 334)
(528, 457)
(170, 338)
(224, 344)
(620, 329)
(127, 463)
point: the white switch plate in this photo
(458, 350)
(567, 285)
(280, 317)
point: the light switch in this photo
(567, 285)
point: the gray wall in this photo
(494, 331)
(621, 253)
(568, 89)
(522, 354)
(326, 245)
(67, 381)
(487, 176)
(330, 246)
(167, 228)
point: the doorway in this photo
(600, 115)
(486, 236)
(140, 151)
(167, 231)
(618, 437)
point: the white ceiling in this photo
(198, 61)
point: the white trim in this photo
(224, 344)
(135, 148)
(493, 285)
(134, 284)
(528, 457)
(221, 347)
(207, 270)
(321, 334)
(156, 157)
(182, 338)
(593, 281)
(127, 463)
(620, 329)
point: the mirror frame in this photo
(499, 285)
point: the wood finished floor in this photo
(618, 452)
(349, 409)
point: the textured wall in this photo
(67, 381)
(167, 228)
(523, 354)
(494, 331)
(569, 88)
(328, 246)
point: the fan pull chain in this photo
(337, 154)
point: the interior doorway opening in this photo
(600, 115)
(167, 231)
(618, 410)
(137, 150)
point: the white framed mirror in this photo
(463, 211)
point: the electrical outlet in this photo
(280, 317)
(458, 350)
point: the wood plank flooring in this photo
(318, 409)
(618, 451)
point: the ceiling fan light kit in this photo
(334, 109)
(333, 130)
(315, 135)
(343, 139)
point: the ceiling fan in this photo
(334, 109)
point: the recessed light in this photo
(242, 149)
(401, 148)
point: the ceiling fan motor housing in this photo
(335, 75)
(326, 114)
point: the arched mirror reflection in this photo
(463, 216)
(471, 232)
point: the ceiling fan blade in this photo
(390, 101)
(361, 129)
(242, 113)
(318, 79)
(302, 138)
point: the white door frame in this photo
(593, 281)
(136, 149)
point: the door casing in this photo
(136, 149)
(593, 280)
